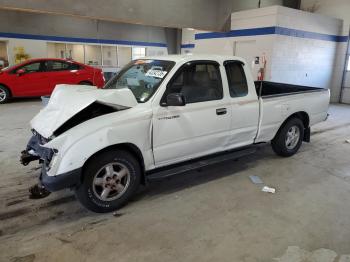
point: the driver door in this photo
(33, 81)
(200, 127)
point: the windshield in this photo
(9, 68)
(142, 77)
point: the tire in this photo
(101, 174)
(86, 83)
(285, 143)
(5, 94)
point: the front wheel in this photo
(289, 138)
(4, 95)
(109, 180)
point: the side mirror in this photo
(20, 72)
(175, 99)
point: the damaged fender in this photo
(78, 144)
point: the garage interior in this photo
(212, 213)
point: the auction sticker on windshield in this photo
(156, 73)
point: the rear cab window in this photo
(236, 78)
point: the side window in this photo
(237, 81)
(73, 66)
(31, 68)
(198, 82)
(61, 66)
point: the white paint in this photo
(244, 49)
(76, 98)
(175, 139)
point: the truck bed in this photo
(278, 101)
(272, 89)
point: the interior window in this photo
(198, 82)
(31, 68)
(236, 79)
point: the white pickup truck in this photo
(162, 116)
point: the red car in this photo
(38, 77)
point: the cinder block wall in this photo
(339, 9)
(305, 59)
(300, 47)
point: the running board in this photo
(197, 163)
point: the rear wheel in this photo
(289, 138)
(4, 94)
(109, 180)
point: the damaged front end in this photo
(68, 107)
(35, 151)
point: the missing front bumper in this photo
(66, 180)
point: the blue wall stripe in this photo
(236, 33)
(272, 30)
(310, 35)
(187, 46)
(80, 40)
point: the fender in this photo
(78, 144)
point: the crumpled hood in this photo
(67, 100)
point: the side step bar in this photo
(173, 170)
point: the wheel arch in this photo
(304, 117)
(129, 147)
(8, 88)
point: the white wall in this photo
(306, 61)
(156, 51)
(335, 8)
(3, 49)
(34, 48)
(290, 59)
(339, 9)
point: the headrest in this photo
(201, 77)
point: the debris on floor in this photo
(116, 214)
(256, 179)
(347, 141)
(268, 189)
(37, 192)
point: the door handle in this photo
(221, 111)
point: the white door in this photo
(244, 105)
(248, 51)
(200, 127)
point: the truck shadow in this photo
(204, 175)
(62, 207)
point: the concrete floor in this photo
(214, 214)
